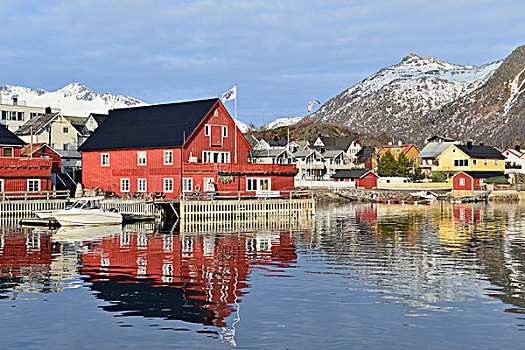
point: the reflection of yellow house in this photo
(468, 157)
(409, 150)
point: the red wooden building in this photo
(171, 148)
(473, 180)
(363, 178)
(21, 173)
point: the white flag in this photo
(230, 94)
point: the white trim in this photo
(164, 160)
(145, 181)
(166, 180)
(102, 159)
(258, 182)
(2, 188)
(122, 181)
(142, 155)
(185, 181)
(37, 181)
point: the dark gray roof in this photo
(276, 142)
(434, 149)
(483, 152)
(365, 153)
(167, 125)
(483, 174)
(99, 118)
(7, 138)
(79, 123)
(338, 142)
(351, 174)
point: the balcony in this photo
(237, 168)
(25, 162)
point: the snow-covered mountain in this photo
(393, 100)
(243, 127)
(280, 122)
(74, 99)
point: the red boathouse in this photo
(175, 148)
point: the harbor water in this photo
(364, 276)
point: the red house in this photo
(42, 150)
(175, 148)
(465, 182)
(21, 173)
(363, 178)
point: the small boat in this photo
(87, 211)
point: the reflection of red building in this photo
(23, 253)
(466, 213)
(366, 214)
(189, 278)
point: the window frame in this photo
(144, 181)
(224, 131)
(122, 181)
(165, 181)
(207, 130)
(186, 180)
(34, 181)
(102, 157)
(65, 130)
(142, 155)
(171, 157)
(8, 148)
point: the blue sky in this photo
(281, 54)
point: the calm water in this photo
(360, 276)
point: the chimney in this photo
(48, 110)
(399, 143)
(482, 144)
(517, 148)
(469, 144)
(390, 143)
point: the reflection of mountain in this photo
(193, 278)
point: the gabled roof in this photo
(338, 142)
(352, 174)
(167, 125)
(26, 150)
(434, 149)
(364, 154)
(36, 124)
(262, 153)
(79, 123)
(8, 138)
(333, 154)
(301, 153)
(514, 152)
(439, 138)
(99, 118)
(252, 140)
(480, 152)
(482, 174)
(276, 142)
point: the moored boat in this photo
(87, 211)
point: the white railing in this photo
(323, 184)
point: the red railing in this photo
(232, 168)
(25, 162)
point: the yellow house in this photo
(469, 157)
(409, 150)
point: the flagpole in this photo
(235, 124)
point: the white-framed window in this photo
(142, 185)
(216, 113)
(33, 185)
(65, 130)
(207, 184)
(7, 152)
(486, 162)
(462, 182)
(207, 130)
(124, 185)
(1, 185)
(460, 162)
(104, 159)
(224, 131)
(258, 184)
(496, 162)
(141, 158)
(66, 146)
(215, 157)
(168, 184)
(475, 162)
(168, 157)
(187, 184)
